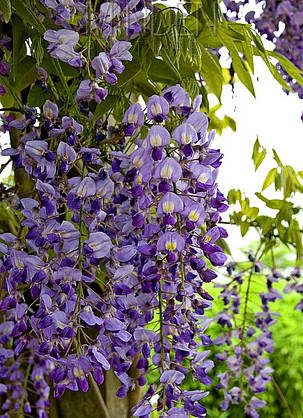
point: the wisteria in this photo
(130, 255)
(245, 340)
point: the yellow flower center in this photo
(101, 192)
(166, 171)
(78, 372)
(202, 178)
(138, 162)
(168, 207)
(132, 118)
(207, 238)
(170, 245)
(139, 179)
(186, 138)
(156, 109)
(155, 140)
(193, 216)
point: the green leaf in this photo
(223, 244)
(27, 15)
(230, 122)
(272, 203)
(231, 31)
(160, 72)
(207, 37)
(26, 73)
(131, 71)
(276, 158)
(252, 213)
(19, 49)
(6, 10)
(36, 97)
(171, 64)
(49, 65)
(258, 155)
(239, 65)
(211, 71)
(244, 227)
(104, 107)
(247, 49)
(234, 196)
(211, 7)
(270, 178)
(145, 86)
(292, 70)
(266, 223)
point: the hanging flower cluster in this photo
(109, 266)
(247, 339)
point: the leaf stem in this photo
(283, 399)
(162, 338)
(24, 389)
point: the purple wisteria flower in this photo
(172, 376)
(171, 241)
(62, 45)
(175, 96)
(133, 118)
(112, 238)
(67, 155)
(158, 136)
(50, 110)
(2, 90)
(157, 108)
(101, 64)
(98, 245)
(170, 203)
(185, 134)
(168, 169)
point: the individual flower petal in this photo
(175, 95)
(199, 121)
(172, 377)
(85, 188)
(125, 253)
(98, 245)
(134, 115)
(101, 64)
(158, 136)
(185, 134)
(120, 50)
(66, 152)
(144, 410)
(171, 241)
(62, 36)
(170, 203)
(50, 110)
(168, 169)
(157, 108)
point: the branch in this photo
(283, 399)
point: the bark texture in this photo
(86, 405)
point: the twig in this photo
(3, 166)
(283, 399)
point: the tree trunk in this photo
(86, 405)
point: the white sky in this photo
(274, 117)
